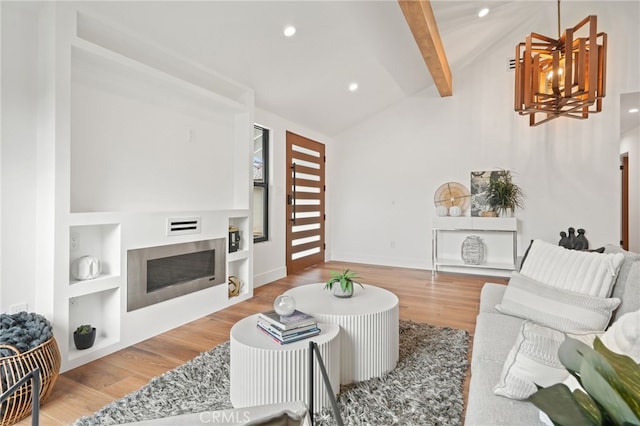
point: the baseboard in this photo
(413, 263)
(269, 276)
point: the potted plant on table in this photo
(343, 283)
(84, 336)
(503, 195)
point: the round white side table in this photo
(369, 322)
(264, 372)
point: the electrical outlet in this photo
(74, 241)
(18, 307)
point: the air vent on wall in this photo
(511, 64)
(183, 225)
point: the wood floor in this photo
(446, 300)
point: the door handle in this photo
(292, 198)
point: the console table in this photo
(369, 325)
(265, 372)
(498, 234)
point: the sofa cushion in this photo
(582, 272)
(484, 408)
(533, 361)
(627, 284)
(556, 308)
(493, 337)
(490, 295)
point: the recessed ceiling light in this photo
(289, 31)
(483, 12)
(633, 110)
(353, 87)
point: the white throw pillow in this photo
(550, 306)
(533, 360)
(583, 272)
(623, 337)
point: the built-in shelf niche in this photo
(102, 311)
(242, 223)
(100, 241)
(238, 261)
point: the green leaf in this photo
(588, 405)
(597, 374)
(560, 405)
(571, 355)
(628, 375)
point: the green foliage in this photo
(84, 329)
(502, 193)
(611, 384)
(346, 280)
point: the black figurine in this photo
(564, 241)
(572, 238)
(581, 240)
(573, 242)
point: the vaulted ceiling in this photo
(305, 78)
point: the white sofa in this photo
(494, 338)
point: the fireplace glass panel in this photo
(172, 270)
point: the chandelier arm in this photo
(558, 19)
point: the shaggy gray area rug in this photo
(424, 389)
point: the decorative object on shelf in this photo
(442, 211)
(561, 77)
(479, 186)
(234, 286)
(86, 268)
(452, 194)
(503, 195)
(573, 241)
(26, 342)
(345, 280)
(234, 239)
(472, 250)
(455, 211)
(84, 337)
(284, 305)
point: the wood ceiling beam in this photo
(422, 22)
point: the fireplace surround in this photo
(159, 273)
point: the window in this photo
(260, 184)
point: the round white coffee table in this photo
(369, 323)
(265, 372)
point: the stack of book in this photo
(287, 329)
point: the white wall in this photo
(18, 165)
(630, 145)
(382, 174)
(269, 256)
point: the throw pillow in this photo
(553, 307)
(627, 284)
(623, 337)
(533, 360)
(579, 271)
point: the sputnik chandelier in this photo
(563, 77)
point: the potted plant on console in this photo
(84, 336)
(503, 195)
(344, 283)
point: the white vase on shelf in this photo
(455, 211)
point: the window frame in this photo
(264, 184)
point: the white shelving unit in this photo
(238, 263)
(98, 61)
(499, 236)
